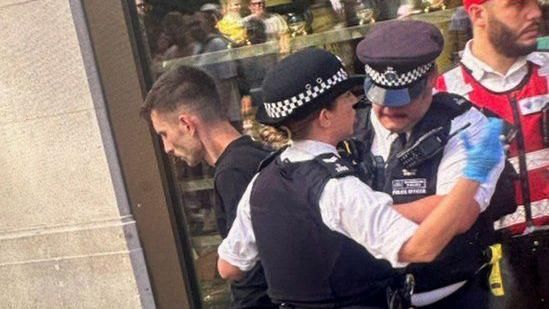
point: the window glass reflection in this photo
(237, 42)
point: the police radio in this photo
(426, 147)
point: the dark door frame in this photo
(150, 185)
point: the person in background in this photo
(310, 220)
(255, 68)
(150, 26)
(177, 26)
(460, 31)
(501, 73)
(143, 7)
(226, 74)
(213, 9)
(163, 43)
(184, 108)
(275, 25)
(232, 23)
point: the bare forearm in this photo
(417, 211)
(229, 271)
(441, 225)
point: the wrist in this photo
(476, 177)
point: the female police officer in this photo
(308, 218)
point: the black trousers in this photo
(525, 271)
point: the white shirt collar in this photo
(306, 150)
(380, 131)
(480, 69)
(538, 58)
(383, 138)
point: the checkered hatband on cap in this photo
(391, 79)
(285, 107)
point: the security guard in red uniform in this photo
(501, 73)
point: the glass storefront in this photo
(237, 41)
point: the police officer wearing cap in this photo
(310, 219)
(413, 152)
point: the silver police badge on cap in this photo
(390, 74)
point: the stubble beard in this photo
(505, 40)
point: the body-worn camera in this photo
(426, 147)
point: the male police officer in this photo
(308, 218)
(411, 148)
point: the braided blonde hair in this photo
(274, 137)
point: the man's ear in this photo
(478, 15)
(187, 122)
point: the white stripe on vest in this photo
(455, 82)
(533, 105)
(534, 160)
(539, 209)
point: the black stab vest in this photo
(463, 256)
(306, 264)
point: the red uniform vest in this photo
(520, 106)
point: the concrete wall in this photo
(67, 238)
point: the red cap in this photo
(467, 3)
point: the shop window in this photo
(238, 47)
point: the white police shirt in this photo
(347, 206)
(454, 156)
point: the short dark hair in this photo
(255, 30)
(187, 87)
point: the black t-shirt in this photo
(234, 170)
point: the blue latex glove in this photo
(484, 156)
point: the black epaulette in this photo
(270, 158)
(452, 102)
(335, 165)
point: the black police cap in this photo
(301, 84)
(397, 55)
